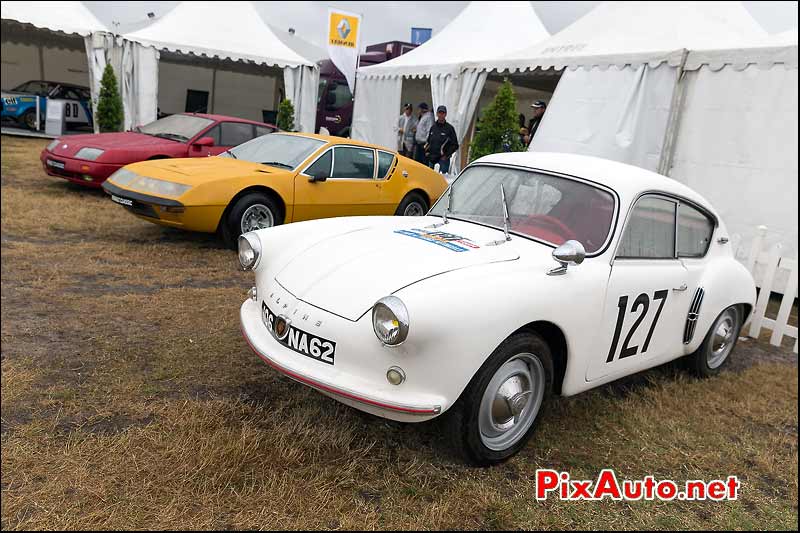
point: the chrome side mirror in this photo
(569, 253)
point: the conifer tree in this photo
(110, 116)
(285, 116)
(498, 128)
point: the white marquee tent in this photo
(55, 49)
(622, 62)
(67, 17)
(210, 31)
(482, 31)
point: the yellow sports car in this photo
(275, 179)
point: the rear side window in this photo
(354, 163)
(650, 230)
(385, 160)
(694, 232)
(235, 133)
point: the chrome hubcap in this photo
(413, 210)
(511, 402)
(724, 337)
(255, 217)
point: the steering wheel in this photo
(562, 229)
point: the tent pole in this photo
(213, 89)
(673, 121)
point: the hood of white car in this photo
(347, 273)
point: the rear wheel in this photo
(715, 351)
(29, 119)
(413, 205)
(497, 412)
(251, 212)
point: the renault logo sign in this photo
(343, 28)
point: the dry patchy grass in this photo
(129, 400)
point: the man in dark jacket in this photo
(539, 107)
(442, 141)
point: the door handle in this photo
(681, 288)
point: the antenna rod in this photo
(505, 211)
(447, 209)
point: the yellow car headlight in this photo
(160, 187)
(390, 320)
(123, 177)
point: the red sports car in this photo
(90, 159)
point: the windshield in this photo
(176, 127)
(40, 88)
(548, 208)
(282, 151)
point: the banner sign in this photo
(420, 35)
(344, 30)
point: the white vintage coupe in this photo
(535, 274)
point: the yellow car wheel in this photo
(251, 212)
(413, 205)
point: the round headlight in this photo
(249, 250)
(390, 320)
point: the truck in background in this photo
(334, 99)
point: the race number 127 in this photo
(642, 301)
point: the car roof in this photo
(225, 118)
(333, 139)
(625, 179)
(71, 85)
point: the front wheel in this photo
(251, 212)
(497, 412)
(413, 205)
(718, 344)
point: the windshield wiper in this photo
(277, 164)
(171, 136)
(446, 210)
(231, 154)
(505, 219)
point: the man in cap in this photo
(539, 107)
(442, 141)
(406, 127)
(421, 137)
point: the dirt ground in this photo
(130, 400)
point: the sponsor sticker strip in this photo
(456, 243)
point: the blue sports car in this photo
(19, 104)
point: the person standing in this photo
(539, 107)
(442, 141)
(404, 126)
(421, 137)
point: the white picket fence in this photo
(771, 264)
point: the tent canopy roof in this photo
(620, 33)
(481, 32)
(66, 17)
(233, 30)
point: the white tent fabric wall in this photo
(136, 68)
(619, 114)
(301, 88)
(376, 109)
(737, 140)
